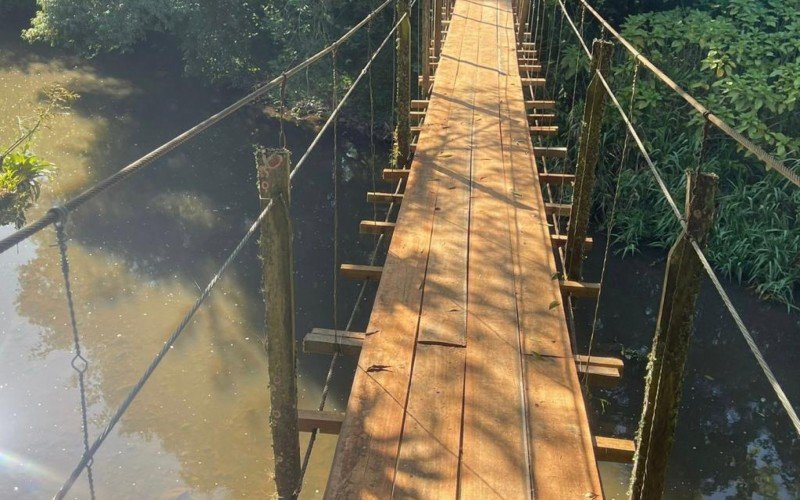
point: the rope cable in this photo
(168, 343)
(79, 363)
(781, 395)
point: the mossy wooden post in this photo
(588, 154)
(425, 32)
(278, 280)
(665, 369)
(402, 135)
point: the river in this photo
(139, 254)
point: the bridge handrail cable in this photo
(748, 337)
(52, 216)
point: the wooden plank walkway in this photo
(468, 386)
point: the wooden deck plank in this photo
(504, 416)
(494, 450)
(443, 317)
(368, 448)
(561, 446)
(428, 463)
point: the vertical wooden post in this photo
(522, 13)
(402, 135)
(425, 31)
(278, 280)
(664, 382)
(437, 28)
(588, 154)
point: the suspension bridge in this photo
(468, 383)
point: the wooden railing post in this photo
(437, 28)
(588, 154)
(665, 369)
(402, 135)
(425, 32)
(278, 280)
(523, 8)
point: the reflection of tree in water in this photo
(206, 404)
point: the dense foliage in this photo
(232, 43)
(20, 174)
(741, 58)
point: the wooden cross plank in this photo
(380, 197)
(395, 174)
(550, 152)
(617, 450)
(376, 227)
(560, 240)
(361, 273)
(541, 118)
(327, 422)
(534, 82)
(544, 130)
(540, 104)
(580, 289)
(326, 341)
(559, 209)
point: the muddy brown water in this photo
(140, 253)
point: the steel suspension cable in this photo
(50, 217)
(776, 387)
(768, 373)
(168, 343)
(79, 363)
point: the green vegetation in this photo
(20, 174)
(741, 58)
(21, 170)
(235, 44)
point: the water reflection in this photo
(139, 255)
